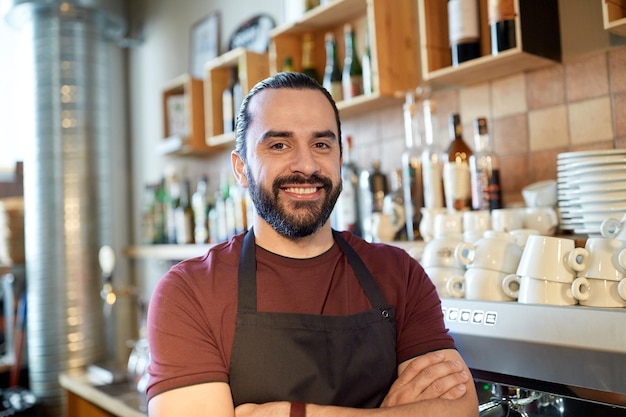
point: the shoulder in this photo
(378, 252)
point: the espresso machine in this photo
(542, 360)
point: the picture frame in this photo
(205, 43)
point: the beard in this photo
(293, 219)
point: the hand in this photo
(429, 376)
(273, 409)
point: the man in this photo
(292, 318)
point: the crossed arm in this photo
(435, 384)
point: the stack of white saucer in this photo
(591, 188)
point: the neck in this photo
(302, 248)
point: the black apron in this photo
(328, 360)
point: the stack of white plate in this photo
(591, 188)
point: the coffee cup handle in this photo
(507, 282)
(464, 253)
(580, 289)
(573, 259)
(609, 228)
(621, 289)
(456, 286)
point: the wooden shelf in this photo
(537, 34)
(251, 68)
(391, 27)
(614, 16)
(191, 141)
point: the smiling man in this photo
(293, 318)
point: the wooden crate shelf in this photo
(251, 67)
(537, 34)
(614, 16)
(392, 30)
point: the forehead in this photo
(292, 109)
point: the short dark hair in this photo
(289, 80)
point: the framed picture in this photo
(205, 43)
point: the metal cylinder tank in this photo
(67, 189)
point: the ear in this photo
(239, 170)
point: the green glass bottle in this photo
(352, 79)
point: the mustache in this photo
(302, 179)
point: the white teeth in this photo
(307, 190)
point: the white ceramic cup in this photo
(476, 221)
(613, 228)
(507, 219)
(440, 251)
(521, 235)
(439, 275)
(542, 193)
(445, 224)
(544, 219)
(599, 292)
(427, 223)
(552, 258)
(607, 258)
(496, 251)
(541, 291)
(482, 284)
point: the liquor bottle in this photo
(184, 215)
(237, 95)
(287, 64)
(160, 212)
(352, 77)
(200, 207)
(347, 209)
(365, 205)
(228, 112)
(308, 66)
(394, 206)
(412, 169)
(173, 200)
(332, 72)
(463, 30)
(456, 172)
(484, 170)
(432, 160)
(378, 187)
(366, 59)
(501, 14)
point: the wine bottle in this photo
(332, 72)
(464, 30)
(378, 187)
(394, 206)
(484, 170)
(432, 160)
(501, 14)
(347, 209)
(184, 215)
(412, 182)
(352, 77)
(308, 66)
(366, 59)
(456, 172)
(200, 207)
(228, 109)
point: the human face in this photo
(294, 165)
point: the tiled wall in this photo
(532, 118)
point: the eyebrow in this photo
(288, 134)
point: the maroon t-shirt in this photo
(191, 317)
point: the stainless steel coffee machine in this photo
(533, 360)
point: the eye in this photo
(278, 146)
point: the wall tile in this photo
(617, 69)
(587, 78)
(548, 128)
(513, 177)
(619, 114)
(546, 87)
(543, 165)
(474, 102)
(510, 135)
(508, 96)
(590, 121)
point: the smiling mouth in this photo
(301, 190)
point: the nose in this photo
(304, 161)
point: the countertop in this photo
(120, 399)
